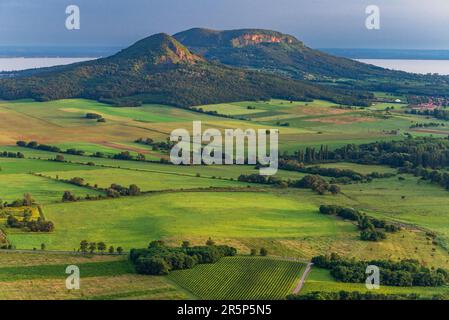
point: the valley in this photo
(194, 203)
(86, 177)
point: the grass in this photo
(287, 223)
(321, 280)
(147, 181)
(360, 168)
(17, 166)
(134, 222)
(41, 276)
(241, 278)
(42, 166)
(410, 201)
(44, 191)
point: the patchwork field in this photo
(197, 202)
(42, 277)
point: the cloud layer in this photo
(320, 23)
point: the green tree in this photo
(101, 247)
(185, 244)
(334, 189)
(134, 190)
(263, 252)
(92, 247)
(83, 246)
(28, 200)
(119, 250)
(210, 242)
(111, 250)
(43, 247)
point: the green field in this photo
(41, 276)
(134, 222)
(410, 201)
(241, 278)
(363, 169)
(321, 280)
(44, 191)
(146, 180)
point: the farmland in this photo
(194, 203)
(241, 278)
(42, 277)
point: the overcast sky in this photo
(405, 24)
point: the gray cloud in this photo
(320, 23)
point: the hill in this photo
(285, 55)
(273, 51)
(159, 69)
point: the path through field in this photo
(303, 278)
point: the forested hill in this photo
(159, 69)
(273, 51)
(284, 54)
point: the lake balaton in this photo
(415, 66)
(17, 64)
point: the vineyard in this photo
(241, 278)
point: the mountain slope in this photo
(275, 52)
(161, 70)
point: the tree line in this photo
(159, 259)
(123, 155)
(40, 225)
(358, 296)
(427, 152)
(101, 247)
(313, 182)
(6, 154)
(405, 273)
(369, 227)
(156, 146)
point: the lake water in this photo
(415, 66)
(16, 64)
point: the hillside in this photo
(285, 55)
(159, 69)
(273, 51)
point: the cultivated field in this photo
(41, 276)
(241, 278)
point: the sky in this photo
(404, 24)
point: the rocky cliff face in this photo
(257, 38)
(174, 53)
(206, 38)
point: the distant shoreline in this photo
(389, 54)
(411, 65)
(25, 63)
